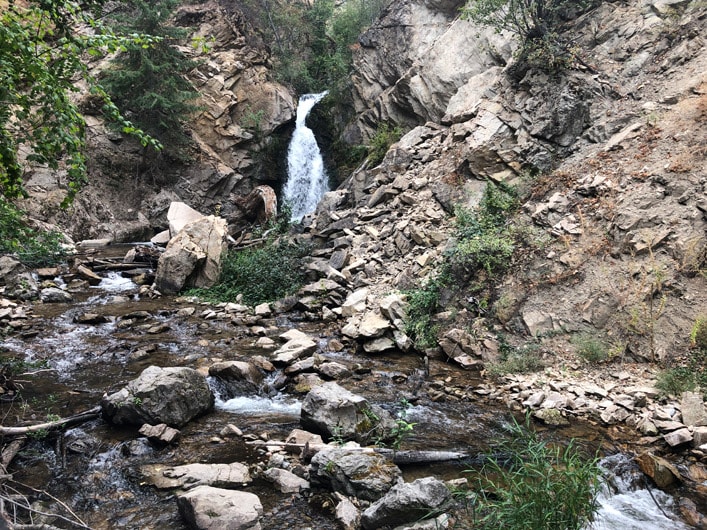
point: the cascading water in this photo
(307, 180)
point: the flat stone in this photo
(678, 437)
(693, 411)
(286, 481)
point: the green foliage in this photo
(32, 247)
(536, 486)
(536, 23)
(423, 303)
(689, 373)
(521, 360)
(40, 62)
(403, 428)
(149, 82)
(484, 240)
(381, 141)
(260, 274)
(312, 41)
(591, 348)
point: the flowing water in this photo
(95, 468)
(307, 180)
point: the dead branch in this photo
(81, 417)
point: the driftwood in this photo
(81, 417)
(396, 456)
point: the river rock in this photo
(192, 475)
(348, 515)
(237, 371)
(356, 472)
(679, 437)
(331, 410)
(286, 481)
(193, 257)
(663, 473)
(209, 508)
(54, 295)
(161, 433)
(294, 349)
(160, 395)
(407, 502)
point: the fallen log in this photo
(81, 417)
(408, 457)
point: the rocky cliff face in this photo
(619, 213)
(239, 108)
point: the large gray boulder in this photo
(209, 508)
(193, 257)
(354, 472)
(333, 411)
(407, 502)
(160, 395)
(193, 475)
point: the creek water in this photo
(95, 468)
(307, 180)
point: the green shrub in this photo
(523, 360)
(381, 141)
(590, 348)
(423, 303)
(259, 274)
(32, 247)
(698, 333)
(536, 486)
(675, 381)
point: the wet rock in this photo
(237, 371)
(54, 295)
(407, 502)
(358, 473)
(334, 370)
(192, 475)
(331, 410)
(294, 349)
(193, 257)
(160, 395)
(209, 508)
(90, 318)
(88, 275)
(161, 433)
(286, 481)
(663, 473)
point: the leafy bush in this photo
(259, 274)
(689, 373)
(675, 381)
(536, 486)
(32, 247)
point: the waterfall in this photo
(306, 179)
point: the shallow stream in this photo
(95, 468)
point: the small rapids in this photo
(628, 502)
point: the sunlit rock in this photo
(209, 508)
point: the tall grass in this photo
(536, 486)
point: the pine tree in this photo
(150, 83)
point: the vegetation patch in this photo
(522, 360)
(690, 372)
(34, 248)
(529, 483)
(591, 348)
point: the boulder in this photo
(355, 302)
(358, 473)
(54, 295)
(331, 410)
(294, 349)
(192, 475)
(348, 515)
(160, 395)
(193, 257)
(179, 215)
(19, 282)
(238, 371)
(209, 508)
(407, 502)
(693, 409)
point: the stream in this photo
(95, 468)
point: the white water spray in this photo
(306, 179)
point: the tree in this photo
(149, 83)
(41, 52)
(536, 23)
